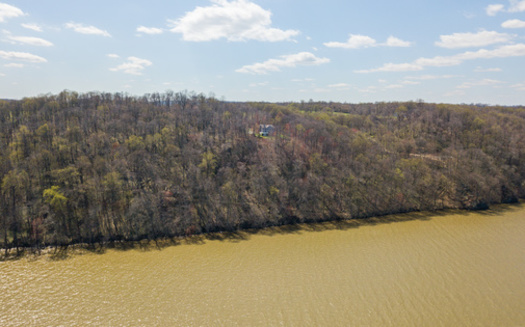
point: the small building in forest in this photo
(266, 130)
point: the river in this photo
(448, 269)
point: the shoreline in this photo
(62, 252)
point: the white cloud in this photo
(394, 86)
(8, 11)
(430, 77)
(483, 82)
(29, 40)
(391, 67)
(467, 40)
(313, 89)
(410, 82)
(438, 61)
(22, 56)
(14, 65)
(395, 42)
(486, 70)
(238, 20)
(340, 86)
(113, 55)
(149, 30)
(519, 86)
(369, 89)
(513, 23)
(275, 65)
(33, 27)
(258, 84)
(133, 66)
(492, 10)
(354, 42)
(514, 50)
(83, 29)
(299, 80)
(517, 6)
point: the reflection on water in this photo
(442, 270)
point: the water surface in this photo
(456, 269)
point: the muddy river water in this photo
(449, 269)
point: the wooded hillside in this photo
(97, 167)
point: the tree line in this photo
(98, 167)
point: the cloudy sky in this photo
(470, 51)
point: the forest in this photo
(101, 167)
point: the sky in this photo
(469, 51)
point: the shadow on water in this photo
(500, 209)
(66, 252)
(62, 253)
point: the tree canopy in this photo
(98, 167)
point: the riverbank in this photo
(66, 251)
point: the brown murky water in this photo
(458, 269)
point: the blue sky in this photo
(268, 50)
